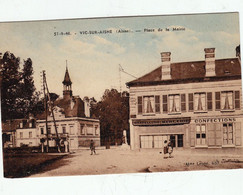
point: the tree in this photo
(11, 77)
(17, 87)
(27, 95)
(113, 113)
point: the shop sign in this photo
(215, 120)
(163, 121)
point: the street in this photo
(116, 160)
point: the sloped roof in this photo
(191, 72)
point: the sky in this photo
(93, 59)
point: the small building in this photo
(195, 104)
(18, 132)
(73, 121)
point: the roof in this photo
(12, 125)
(76, 111)
(186, 72)
(67, 80)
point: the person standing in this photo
(170, 148)
(92, 147)
(165, 149)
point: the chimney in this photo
(165, 69)
(210, 62)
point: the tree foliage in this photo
(113, 113)
(17, 87)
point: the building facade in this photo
(73, 121)
(194, 104)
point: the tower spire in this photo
(67, 84)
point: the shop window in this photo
(217, 101)
(183, 102)
(199, 102)
(190, 101)
(174, 103)
(180, 140)
(227, 100)
(201, 135)
(165, 104)
(146, 141)
(209, 101)
(227, 134)
(237, 100)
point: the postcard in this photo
(114, 95)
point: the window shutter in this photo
(157, 104)
(190, 98)
(237, 134)
(165, 104)
(140, 105)
(209, 101)
(218, 134)
(237, 99)
(192, 134)
(217, 101)
(211, 134)
(183, 102)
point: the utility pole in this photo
(52, 113)
(46, 109)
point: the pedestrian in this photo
(165, 149)
(92, 147)
(170, 148)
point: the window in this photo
(183, 102)
(89, 129)
(190, 101)
(237, 99)
(64, 130)
(21, 135)
(148, 104)
(217, 101)
(140, 105)
(49, 129)
(82, 129)
(42, 130)
(227, 100)
(30, 134)
(165, 104)
(199, 102)
(71, 130)
(157, 104)
(174, 103)
(96, 130)
(30, 143)
(201, 134)
(227, 134)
